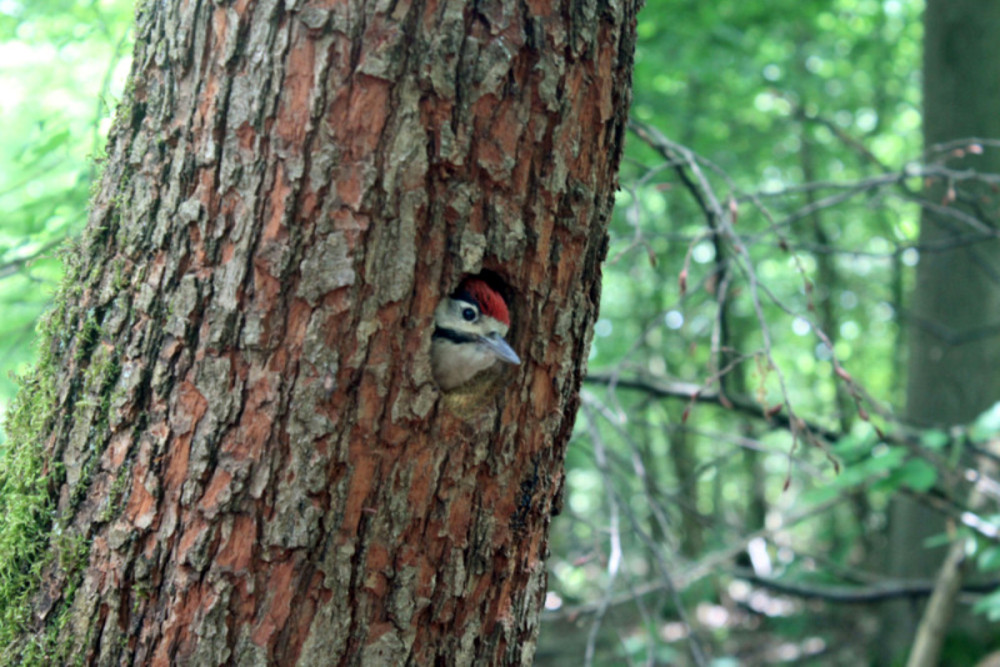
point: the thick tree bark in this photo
(954, 332)
(244, 428)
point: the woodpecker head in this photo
(470, 326)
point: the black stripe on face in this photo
(455, 336)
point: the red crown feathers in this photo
(489, 300)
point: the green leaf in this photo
(916, 474)
(939, 540)
(987, 425)
(989, 605)
(989, 559)
(934, 439)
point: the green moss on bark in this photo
(34, 540)
(27, 498)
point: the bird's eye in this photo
(469, 314)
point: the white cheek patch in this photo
(455, 364)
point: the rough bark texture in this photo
(252, 443)
(954, 322)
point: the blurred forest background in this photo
(764, 470)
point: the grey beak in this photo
(498, 346)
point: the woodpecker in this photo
(470, 326)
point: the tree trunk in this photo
(247, 458)
(955, 337)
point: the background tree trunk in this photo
(955, 317)
(244, 443)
